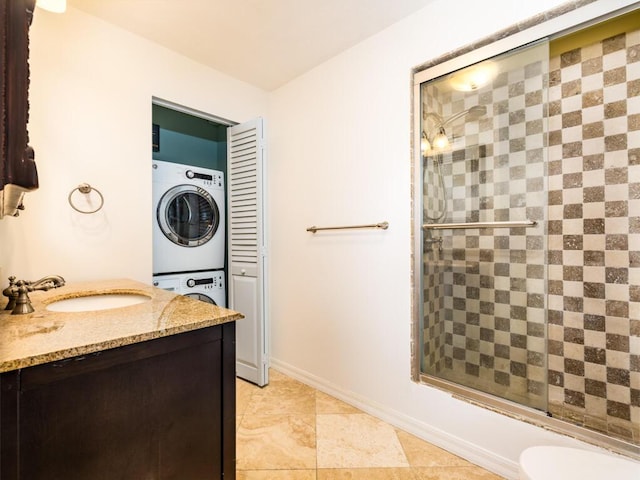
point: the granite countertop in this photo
(45, 336)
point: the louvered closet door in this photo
(247, 255)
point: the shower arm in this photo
(441, 122)
(431, 134)
(453, 118)
(438, 124)
(475, 111)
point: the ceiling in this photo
(263, 42)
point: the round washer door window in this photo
(202, 297)
(188, 215)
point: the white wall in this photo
(91, 91)
(339, 150)
(339, 140)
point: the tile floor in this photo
(290, 431)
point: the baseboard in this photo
(469, 451)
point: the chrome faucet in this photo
(18, 292)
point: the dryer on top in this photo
(188, 218)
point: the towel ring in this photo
(86, 189)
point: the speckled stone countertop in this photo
(45, 336)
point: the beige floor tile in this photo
(366, 474)
(273, 401)
(283, 395)
(280, 382)
(275, 375)
(424, 454)
(276, 475)
(244, 392)
(276, 442)
(454, 473)
(279, 427)
(357, 441)
(326, 404)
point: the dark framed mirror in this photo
(18, 174)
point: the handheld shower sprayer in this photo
(470, 115)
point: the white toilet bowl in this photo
(562, 463)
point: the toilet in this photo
(563, 463)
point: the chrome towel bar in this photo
(456, 226)
(382, 225)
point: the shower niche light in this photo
(474, 77)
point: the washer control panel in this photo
(215, 179)
(207, 283)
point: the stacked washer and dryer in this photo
(189, 239)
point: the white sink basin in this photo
(95, 302)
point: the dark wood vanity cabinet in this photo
(160, 409)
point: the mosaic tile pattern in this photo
(486, 325)
(594, 236)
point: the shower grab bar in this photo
(382, 225)
(456, 226)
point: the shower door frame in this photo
(458, 390)
(562, 20)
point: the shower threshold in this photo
(531, 416)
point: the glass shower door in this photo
(483, 132)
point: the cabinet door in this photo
(147, 411)
(247, 248)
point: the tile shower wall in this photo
(594, 236)
(484, 291)
(484, 309)
(435, 204)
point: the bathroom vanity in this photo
(140, 392)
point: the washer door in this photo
(201, 296)
(188, 215)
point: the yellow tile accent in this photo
(590, 35)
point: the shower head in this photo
(470, 115)
(475, 112)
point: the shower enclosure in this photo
(482, 234)
(526, 228)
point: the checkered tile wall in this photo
(594, 236)
(487, 292)
(485, 325)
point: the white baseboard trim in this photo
(469, 451)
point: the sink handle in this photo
(19, 292)
(8, 293)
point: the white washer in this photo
(188, 218)
(205, 286)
